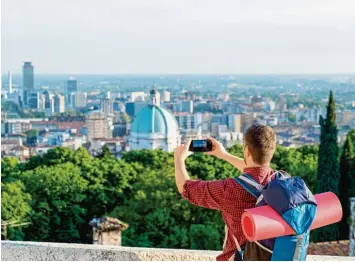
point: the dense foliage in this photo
(328, 166)
(62, 190)
(347, 181)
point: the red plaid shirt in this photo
(231, 199)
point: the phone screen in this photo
(199, 143)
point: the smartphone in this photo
(202, 145)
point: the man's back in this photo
(231, 199)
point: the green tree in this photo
(15, 206)
(57, 192)
(347, 182)
(328, 166)
(32, 137)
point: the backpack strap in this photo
(250, 185)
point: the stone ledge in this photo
(31, 251)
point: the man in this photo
(227, 195)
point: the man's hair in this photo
(261, 141)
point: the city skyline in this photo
(135, 37)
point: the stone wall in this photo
(352, 227)
(31, 251)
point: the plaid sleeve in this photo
(209, 194)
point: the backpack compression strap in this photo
(250, 185)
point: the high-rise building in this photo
(235, 123)
(10, 82)
(48, 103)
(166, 96)
(106, 106)
(187, 106)
(27, 81)
(98, 125)
(59, 104)
(33, 99)
(80, 100)
(72, 87)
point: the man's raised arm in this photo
(219, 151)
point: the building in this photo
(235, 122)
(186, 121)
(71, 87)
(59, 104)
(33, 99)
(80, 100)
(133, 108)
(166, 96)
(27, 81)
(48, 103)
(9, 75)
(98, 125)
(138, 96)
(106, 106)
(154, 127)
(187, 106)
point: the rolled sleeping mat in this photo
(264, 222)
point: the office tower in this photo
(108, 95)
(48, 103)
(27, 81)
(187, 106)
(59, 104)
(72, 87)
(98, 125)
(33, 99)
(10, 82)
(106, 106)
(80, 100)
(166, 96)
(235, 122)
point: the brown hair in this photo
(261, 141)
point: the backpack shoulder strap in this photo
(250, 185)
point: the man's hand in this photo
(218, 149)
(181, 176)
(182, 152)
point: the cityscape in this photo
(100, 98)
(160, 112)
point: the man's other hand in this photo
(182, 152)
(218, 149)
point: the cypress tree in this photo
(328, 167)
(347, 182)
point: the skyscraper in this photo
(48, 103)
(27, 81)
(107, 106)
(10, 82)
(80, 100)
(72, 87)
(59, 104)
(33, 99)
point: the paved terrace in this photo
(31, 251)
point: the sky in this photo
(179, 37)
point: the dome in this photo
(153, 119)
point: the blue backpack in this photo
(295, 203)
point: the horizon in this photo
(179, 37)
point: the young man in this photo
(227, 195)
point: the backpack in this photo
(295, 203)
